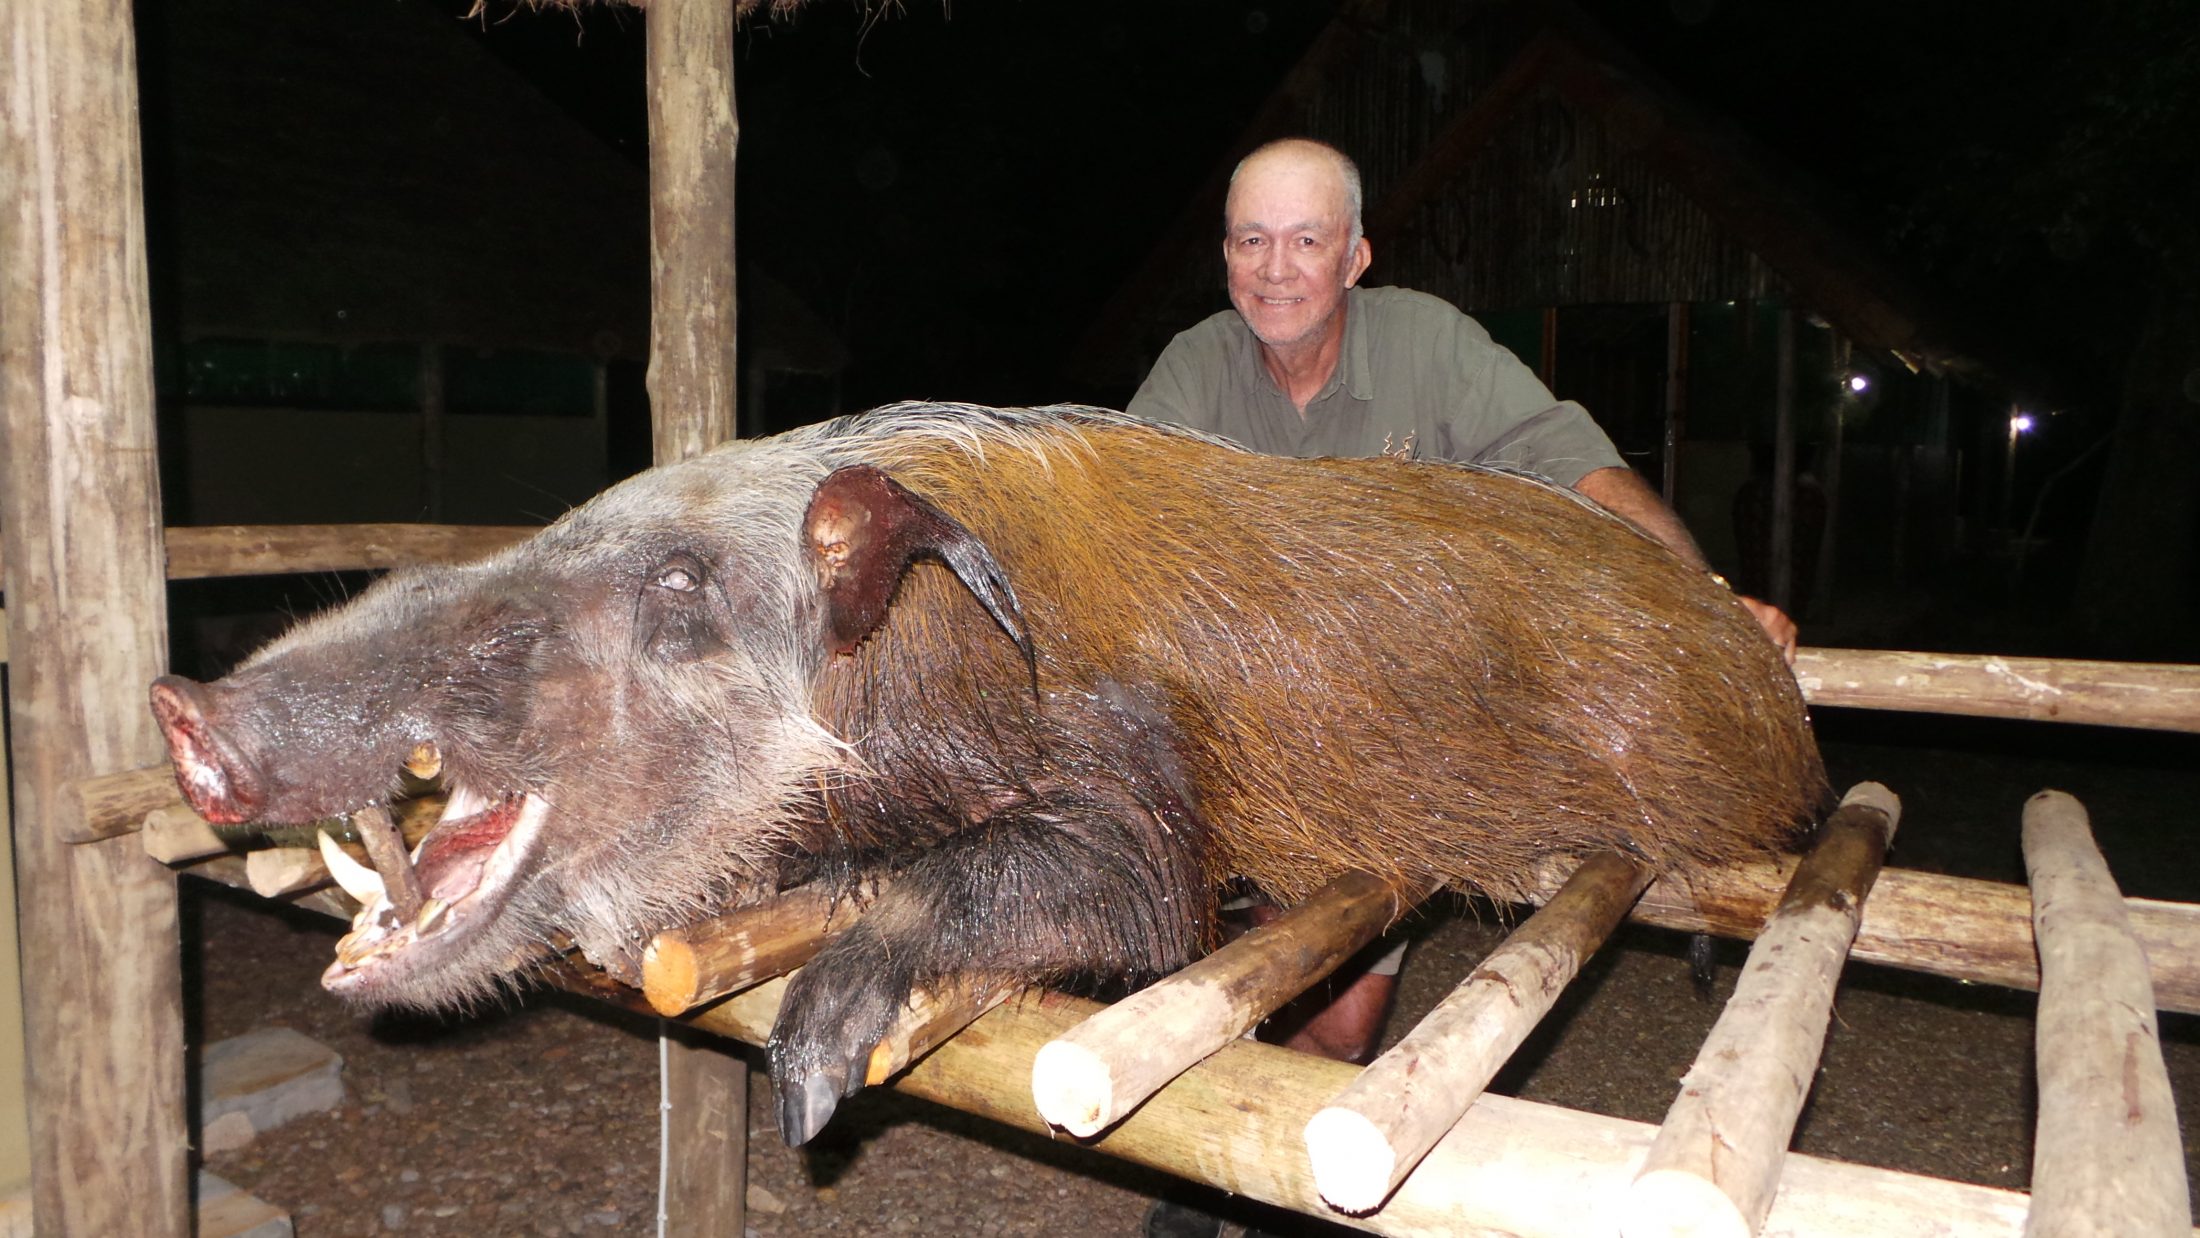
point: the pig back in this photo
(1416, 669)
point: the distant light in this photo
(1859, 384)
(2021, 423)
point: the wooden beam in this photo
(1101, 1071)
(197, 552)
(1716, 1161)
(80, 519)
(1365, 1142)
(2106, 1158)
(1976, 931)
(2152, 695)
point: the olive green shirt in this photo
(1416, 377)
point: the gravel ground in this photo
(541, 1118)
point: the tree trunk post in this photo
(80, 510)
(693, 381)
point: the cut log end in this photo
(275, 871)
(1074, 1088)
(1672, 1203)
(669, 975)
(1352, 1161)
(1874, 795)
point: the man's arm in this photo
(1626, 494)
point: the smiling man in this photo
(1309, 363)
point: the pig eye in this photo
(680, 575)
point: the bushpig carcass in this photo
(1060, 673)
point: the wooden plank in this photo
(1101, 1071)
(1716, 1162)
(80, 520)
(2156, 696)
(114, 804)
(2106, 1159)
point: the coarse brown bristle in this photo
(1409, 668)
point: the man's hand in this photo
(1775, 623)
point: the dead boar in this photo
(1060, 673)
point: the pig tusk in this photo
(426, 760)
(358, 880)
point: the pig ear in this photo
(863, 530)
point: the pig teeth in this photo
(426, 761)
(430, 912)
(358, 880)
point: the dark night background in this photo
(957, 190)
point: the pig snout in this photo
(221, 783)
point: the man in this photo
(1310, 364)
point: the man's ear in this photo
(862, 531)
(1356, 265)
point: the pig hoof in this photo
(806, 1104)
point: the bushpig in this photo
(1059, 672)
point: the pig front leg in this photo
(1057, 887)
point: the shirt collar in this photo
(1355, 369)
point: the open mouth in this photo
(464, 871)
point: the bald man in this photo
(1308, 363)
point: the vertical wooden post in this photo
(1781, 568)
(80, 510)
(693, 381)
(1676, 395)
(692, 136)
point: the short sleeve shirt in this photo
(1416, 377)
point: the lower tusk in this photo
(430, 913)
(357, 879)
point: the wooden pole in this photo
(1974, 931)
(1101, 1071)
(693, 382)
(196, 552)
(1364, 1143)
(80, 514)
(683, 968)
(2106, 1158)
(1780, 570)
(1717, 1159)
(2155, 696)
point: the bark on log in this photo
(1100, 1072)
(114, 804)
(2156, 696)
(1717, 1159)
(1978, 931)
(88, 627)
(1510, 1167)
(1364, 1143)
(2106, 1159)
(685, 967)
(387, 852)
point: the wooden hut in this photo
(86, 556)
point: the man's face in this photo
(1288, 249)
